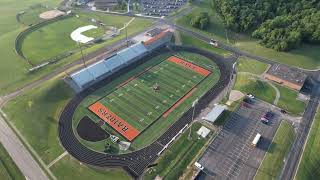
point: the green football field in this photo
(140, 103)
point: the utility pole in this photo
(126, 26)
(84, 62)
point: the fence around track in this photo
(136, 162)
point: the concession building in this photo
(291, 77)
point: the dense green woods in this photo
(281, 24)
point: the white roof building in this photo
(214, 113)
(203, 132)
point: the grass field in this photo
(159, 126)
(309, 165)
(53, 39)
(36, 116)
(261, 89)
(8, 169)
(14, 70)
(288, 100)
(191, 41)
(31, 14)
(251, 66)
(274, 159)
(69, 168)
(306, 56)
(176, 158)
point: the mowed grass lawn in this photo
(53, 39)
(158, 127)
(69, 168)
(176, 158)
(14, 70)
(251, 66)
(288, 100)
(194, 42)
(273, 161)
(310, 161)
(250, 84)
(8, 169)
(306, 56)
(36, 114)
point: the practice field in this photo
(156, 92)
(148, 99)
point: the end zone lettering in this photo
(114, 121)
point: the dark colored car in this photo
(267, 117)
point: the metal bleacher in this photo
(101, 69)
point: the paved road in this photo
(294, 156)
(20, 155)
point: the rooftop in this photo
(289, 74)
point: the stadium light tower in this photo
(84, 62)
(125, 27)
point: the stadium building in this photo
(89, 75)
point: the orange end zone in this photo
(114, 121)
(165, 114)
(189, 65)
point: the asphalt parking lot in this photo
(231, 155)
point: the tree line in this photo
(279, 24)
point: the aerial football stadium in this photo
(131, 106)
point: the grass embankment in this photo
(191, 41)
(8, 169)
(306, 56)
(310, 161)
(250, 84)
(176, 158)
(273, 161)
(288, 100)
(251, 66)
(261, 89)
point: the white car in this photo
(198, 165)
(250, 96)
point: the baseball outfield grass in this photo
(309, 164)
(274, 159)
(306, 56)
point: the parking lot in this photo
(160, 8)
(231, 154)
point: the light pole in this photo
(84, 62)
(194, 103)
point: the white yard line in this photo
(57, 159)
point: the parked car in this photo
(250, 96)
(267, 117)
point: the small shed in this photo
(203, 132)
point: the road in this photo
(295, 154)
(20, 155)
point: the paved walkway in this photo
(20, 155)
